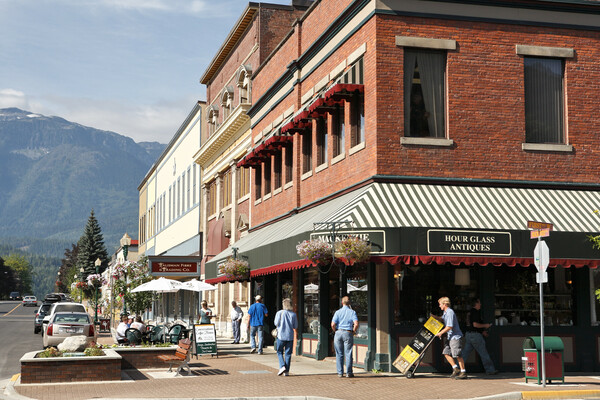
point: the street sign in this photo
(541, 255)
(541, 277)
(539, 225)
(537, 233)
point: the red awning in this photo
(304, 115)
(262, 151)
(343, 91)
(470, 261)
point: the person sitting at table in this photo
(138, 324)
(205, 313)
(121, 329)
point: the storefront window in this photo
(287, 285)
(311, 301)
(517, 297)
(595, 303)
(357, 289)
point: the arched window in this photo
(227, 101)
(212, 119)
(244, 76)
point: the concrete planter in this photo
(143, 357)
(70, 369)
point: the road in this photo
(16, 336)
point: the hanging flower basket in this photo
(81, 285)
(317, 251)
(235, 269)
(96, 280)
(354, 249)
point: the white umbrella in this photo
(197, 286)
(160, 285)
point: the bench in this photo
(181, 356)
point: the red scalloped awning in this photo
(261, 151)
(304, 115)
(342, 91)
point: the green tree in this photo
(91, 247)
(22, 268)
(8, 281)
(67, 269)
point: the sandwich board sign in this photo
(205, 338)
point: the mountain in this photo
(53, 172)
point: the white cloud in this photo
(173, 6)
(13, 98)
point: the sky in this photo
(128, 66)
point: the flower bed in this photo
(35, 369)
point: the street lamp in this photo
(97, 263)
(81, 291)
(75, 280)
(125, 243)
(58, 282)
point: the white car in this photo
(66, 324)
(29, 301)
(61, 307)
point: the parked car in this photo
(39, 316)
(29, 301)
(61, 307)
(15, 296)
(66, 324)
(52, 298)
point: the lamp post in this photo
(58, 282)
(81, 270)
(75, 280)
(97, 263)
(125, 242)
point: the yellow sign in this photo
(539, 225)
(536, 233)
(409, 354)
(433, 325)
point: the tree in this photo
(91, 247)
(67, 269)
(19, 264)
(8, 281)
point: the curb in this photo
(560, 394)
(10, 392)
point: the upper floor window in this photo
(227, 102)
(358, 119)
(339, 130)
(277, 165)
(243, 176)
(306, 151)
(544, 100)
(244, 83)
(321, 140)
(258, 182)
(289, 162)
(424, 93)
(212, 198)
(226, 189)
(213, 119)
(267, 164)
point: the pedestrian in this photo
(205, 313)
(452, 346)
(475, 331)
(345, 325)
(122, 329)
(236, 321)
(257, 312)
(286, 323)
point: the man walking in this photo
(344, 324)
(257, 313)
(474, 335)
(236, 321)
(452, 343)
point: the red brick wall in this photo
(143, 358)
(71, 371)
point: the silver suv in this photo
(61, 307)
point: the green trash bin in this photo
(554, 359)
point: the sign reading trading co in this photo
(174, 267)
(469, 242)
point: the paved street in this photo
(16, 333)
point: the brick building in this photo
(437, 130)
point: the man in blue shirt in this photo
(344, 324)
(452, 342)
(257, 313)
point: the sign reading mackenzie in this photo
(172, 267)
(376, 238)
(469, 242)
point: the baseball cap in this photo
(258, 297)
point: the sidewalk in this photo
(237, 374)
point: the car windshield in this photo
(69, 307)
(45, 308)
(71, 318)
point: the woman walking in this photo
(286, 323)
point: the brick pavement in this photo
(236, 373)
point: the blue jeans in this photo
(475, 340)
(253, 331)
(287, 346)
(235, 326)
(343, 342)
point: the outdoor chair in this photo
(175, 333)
(134, 336)
(157, 334)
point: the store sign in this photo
(377, 238)
(166, 268)
(480, 243)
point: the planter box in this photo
(70, 369)
(143, 357)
